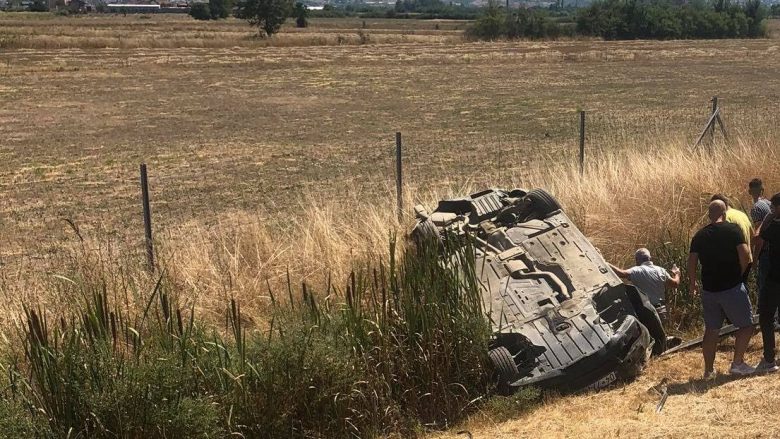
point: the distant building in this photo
(121, 8)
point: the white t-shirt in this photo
(651, 280)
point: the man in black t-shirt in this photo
(724, 255)
(769, 297)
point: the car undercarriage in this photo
(560, 317)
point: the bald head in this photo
(716, 210)
(721, 197)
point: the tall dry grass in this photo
(626, 199)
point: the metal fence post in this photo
(398, 175)
(147, 217)
(582, 143)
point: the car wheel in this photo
(542, 203)
(505, 370)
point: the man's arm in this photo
(693, 266)
(674, 280)
(766, 223)
(758, 245)
(744, 257)
(623, 274)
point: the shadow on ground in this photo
(701, 385)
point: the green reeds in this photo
(403, 344)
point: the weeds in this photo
(503, 408)
(402, 344)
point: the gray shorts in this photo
(733, 303)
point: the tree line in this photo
(268, 13)
(608, 19)
(629, 19)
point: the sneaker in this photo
(710, 375)
(767, 367)
(742, 369)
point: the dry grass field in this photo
(725, 407)
(259, 135)
(45, 31)
(249, 129)
(268, 155)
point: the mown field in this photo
(252, 129)
(269, 157)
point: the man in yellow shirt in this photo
(740, 218)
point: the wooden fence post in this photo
(712, 126)
(398, 175)
(147, 217)
(709, 127)
(582, 143)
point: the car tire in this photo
(542, 203)
(505, 370)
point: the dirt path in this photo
(726, 407)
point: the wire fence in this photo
(491, 158)
(447, 160)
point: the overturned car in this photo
(561, 318)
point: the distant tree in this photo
(39, 6)
(630, 19)
(301, 13)
(418, 5)
(267, 15)
(756, 13)
(200, 11)
(220, 8)
(491, 25)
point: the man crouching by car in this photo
(652, 281)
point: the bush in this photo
(300, 12)
(213, 10)
(220, 8)
(38, 6)
(521, 23)
(200, 11)
(490, 26)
